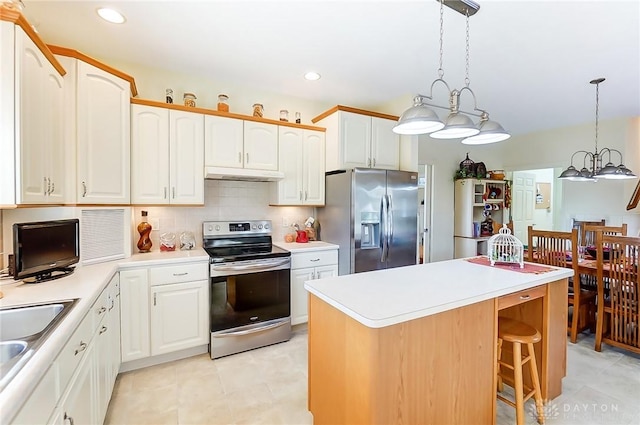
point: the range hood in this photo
(222, 173)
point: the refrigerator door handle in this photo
(389, 221)
(383, 229)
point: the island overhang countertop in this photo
(388, 297)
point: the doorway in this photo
(533, 201)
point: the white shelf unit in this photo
(471, 196)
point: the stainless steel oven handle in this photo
(256, 266)
(251, 331)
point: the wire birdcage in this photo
(505, 248)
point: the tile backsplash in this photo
(224, 200)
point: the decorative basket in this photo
(505, 248)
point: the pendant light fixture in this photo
(596, 170)
(422, 119)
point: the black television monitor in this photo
(45, 250)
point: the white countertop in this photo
(309, 246)
(86, 284)
(388, 297)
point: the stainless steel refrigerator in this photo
(373, 216)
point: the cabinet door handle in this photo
(173, 192)
(525, 297)
(46, 187)
(102, 330)
(53, 187)
(315, 259)
(154, 299)
(374, 162)
(181, 274)
(247, 155)
(83, 346)
(165, 193)
(369, 162)
(305, 195)
(68, 418)
(240, 157)
(301, 195)
(84, 189)
(102, 309)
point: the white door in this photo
(103, 131)
(523, 198)
(223, 142)
(149, 155)
(186, 157)
(179, 316)
(355, 139)
(291, 161)
(260, 146)
(314, 165)
(299, 303)
(385, 144)
(134, 314)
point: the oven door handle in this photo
(258, 266)
(251, 331)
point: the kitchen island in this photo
(418, 344)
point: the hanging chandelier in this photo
(422, 119)
(593, 159)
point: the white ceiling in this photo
(531, 61)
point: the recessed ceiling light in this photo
(111, 15)
(311, 76)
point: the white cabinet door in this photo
(114, 322)
(134, 314)
(179, 316)
(39, 105)
(224, 141)
(149, 155)
(103, 137)
(186, 156)
(102, 368)
(385, 144)
(289, 190)
(355, 139)
(313, 161)
(260, 146)
(299, 298)
(78, 405)
(42, 401)
(326, 271)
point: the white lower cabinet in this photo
(78, 385)
(164, 309)
(309, 266)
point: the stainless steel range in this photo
(250, 286)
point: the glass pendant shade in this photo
(490, 132)
(419, 119)
(457, 126)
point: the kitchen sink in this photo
(23, 329)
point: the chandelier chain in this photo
(597, 102)
(440, 69)
(466, 79)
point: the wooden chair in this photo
(588, 232)
(552, 248)
(619, 317)
(579, 224)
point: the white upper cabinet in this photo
(224, 142)
(103, 136)
(260, 146)
(39, 136)
(149, 155)
(360, 140)
(235, 143)
(301, 159)
(167, 156)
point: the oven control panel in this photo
(250, 227)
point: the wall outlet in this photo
(285, 222)
(155, 223)
(11, 265)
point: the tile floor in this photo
(269, 386)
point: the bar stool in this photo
(518, 333)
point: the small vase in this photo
(144, 228)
